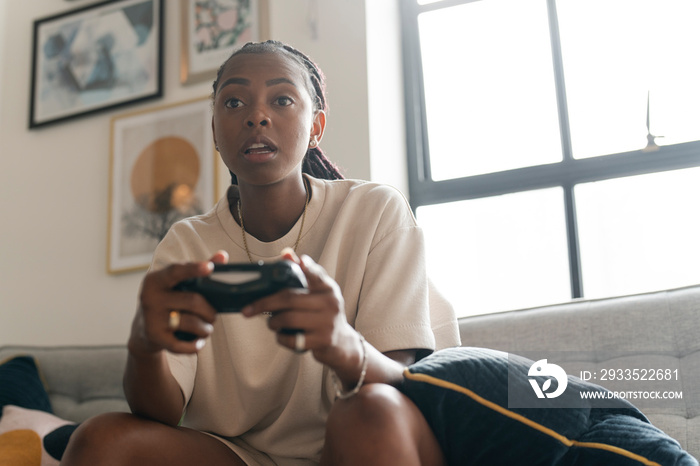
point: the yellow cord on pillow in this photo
(339, 394)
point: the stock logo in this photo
(543, 368)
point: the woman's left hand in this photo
(318, 311)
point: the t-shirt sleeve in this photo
(393, 312)
(398, 306)
(180, 244)
(443, 320)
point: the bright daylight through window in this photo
(554, 147)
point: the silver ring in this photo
(174, 320)
(299, 342)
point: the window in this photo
(553, 147)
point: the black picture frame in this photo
(96, 58)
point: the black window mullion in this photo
(416, 125)
(442, 4)
(568, 172)
(572, 237)
(559, 82)
(565, 174)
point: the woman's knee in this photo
(125, 439)
(380, 424)
(374, 404)
(103, 426)
(103, 436)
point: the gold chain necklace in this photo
(301, 228)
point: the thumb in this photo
(316, 276)
(220, 257)
(290, 255)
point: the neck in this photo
(269, 212)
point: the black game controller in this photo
(231, 287)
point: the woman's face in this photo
(264, 117)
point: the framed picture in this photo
(94, 58)
(162, 169)
(213, 29)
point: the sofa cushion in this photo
(21, 385)
(659, 328)
(81, 381)
(32, 437)
(464, 393)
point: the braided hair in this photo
(315, 162)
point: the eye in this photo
(233, 103)
(284, 101)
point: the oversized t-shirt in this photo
(267, 402)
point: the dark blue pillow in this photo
(463, 394)
(21, 385)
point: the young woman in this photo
(247, 392)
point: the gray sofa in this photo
(659, 329)
(81, 381)
(654, 330)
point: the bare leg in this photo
(379, 426)
(124, 439)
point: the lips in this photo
(258, 145)
(258, 148)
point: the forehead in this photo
(264, 67)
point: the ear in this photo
(318, 126)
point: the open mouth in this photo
(258, 148)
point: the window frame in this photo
(566, 174)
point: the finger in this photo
(156, 303)
(302, 319)
(175, 273)
(190, 327)
(174, 331)
(316, 276)
(220, 257)
(186, 347)
(190, 302)
(289, 254)
(297, 341)
(288, 299)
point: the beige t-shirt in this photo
(260, 397)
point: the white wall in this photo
(54, 288)
(387, 124)
(2, 53)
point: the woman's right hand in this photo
(151, 330)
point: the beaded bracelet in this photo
(339, 394)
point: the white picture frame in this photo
(162, 169)
(213, 29)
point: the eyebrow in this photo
(246, 82)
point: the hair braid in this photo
(315, 162)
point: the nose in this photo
(263, 122)
(257, 117)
